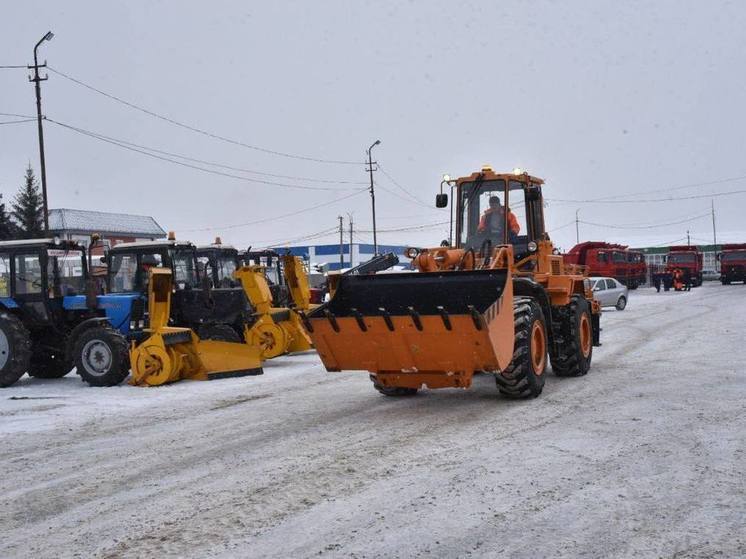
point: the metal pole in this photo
(373, 195)
(688, 241)
(577, 229)
(349, 216)
(714, 231)
(341, 244)
(36, 79)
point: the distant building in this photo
(328, 255)
(114, 228)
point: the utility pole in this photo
(349, 216)
(341, 244)
(37, 79)
(688, 240)
(373, 194)
(577, 228)
(714, 231)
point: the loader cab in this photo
(273, 272)
(483, 223)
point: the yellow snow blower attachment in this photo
(170, 353)
(277, 330)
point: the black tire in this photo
(394, 391)
(621, 304)
(48, 364)
(15, 349)
(523, 378)
(101, 356)
(571, 359)
(218, 332)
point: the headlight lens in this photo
(532, 246)
(411, 252)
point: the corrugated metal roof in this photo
(104, 222)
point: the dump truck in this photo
(610, 260)
(499, 299)
(688, 259)
(732, 263)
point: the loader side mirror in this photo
(441, 200)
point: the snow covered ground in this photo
(644, 457)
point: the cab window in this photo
(28, 274)
(618, 257)
(122, 273)
(4, 275)
(185, 272)
(485, 218)
(65, 271)
(602, 257)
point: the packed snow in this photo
(642, 457)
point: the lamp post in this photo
(37, 79)
(373, 195)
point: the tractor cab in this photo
(218, 263)
(494, 209)
(273, 272)
(214, 313)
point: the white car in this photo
(610, 293)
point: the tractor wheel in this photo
(15, 349)
(46, 364)
(621, 304)
(392, 390)
(218, 332)
(101, 356)
(576, 351)
(524, 377)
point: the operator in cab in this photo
(493, 218)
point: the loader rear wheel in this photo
(101, 356)
(392, 390)
(576, 347)
(15, 349)
(524, 377)
(218, 332)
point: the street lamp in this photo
(373, 194)
(36, 79)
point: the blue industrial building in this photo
(328, 255)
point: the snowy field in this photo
(644, 457)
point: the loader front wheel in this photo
(394, 391)
(524, 377)
(576, 349)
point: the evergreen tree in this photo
(7, 227)
(28, 208)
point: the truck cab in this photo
(688, 259)
(732, 263)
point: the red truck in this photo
(688, 259)
(732, 263)
(610, 260)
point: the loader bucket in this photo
(411, 329)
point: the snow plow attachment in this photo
(171, 353)
(410, 329)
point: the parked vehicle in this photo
(688, 259)
(733, 263)
(610, 260)
(610, 292)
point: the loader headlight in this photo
(411, 252)
(532, 246)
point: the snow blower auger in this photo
(170, 353)
(277, 330)
(500, 301)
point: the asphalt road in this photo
(643, 457)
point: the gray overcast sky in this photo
(599, 98)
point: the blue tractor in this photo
(52, 318)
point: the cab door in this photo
(29, 286)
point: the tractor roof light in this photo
(446, 178)
(171, 236)
(518, 171)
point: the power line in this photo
(400, 187)
(671, 199)
(200, 130)
(310, 236)
(562, 226)
(420, 227)
(274, 218)
(7, 67)
(650, 226)
(203, 161)
(18, 121)
(18, 115)
(673, 188)
(188, 165)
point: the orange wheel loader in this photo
(499, 299)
